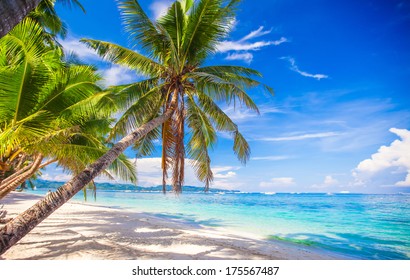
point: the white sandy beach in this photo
(81, 231)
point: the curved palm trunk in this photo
(17, 228)
(13, 11)
(8, 186)
(15, 175)
(2, 174)
(10, 179)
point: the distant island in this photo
(53, 185)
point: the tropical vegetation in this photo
(180, 95)
(49, 110)
(175, 49)
(14, 11)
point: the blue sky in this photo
(340, 118)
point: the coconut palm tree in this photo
(175, 48)
(179, 93)
(14, 11)
(47, 110)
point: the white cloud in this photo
(295, 68)
(73, 45)
(247, 57)
(390, 162)
(226, 46)
(239, 114)
(278, 182)
(117, 75)
(301, 137)
(160, 8)
(329, 181)
(228, 175)
(113, 75)
(56, 177)
(254, 34)
(242, 48)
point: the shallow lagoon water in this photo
(360, 226)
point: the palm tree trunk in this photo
(2, 174)
(13, 11)
(47, 163)
(8, 186)
(17, 228)
(15, 174)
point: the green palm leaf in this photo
(175, 46)
(126, 57)
(142, 31)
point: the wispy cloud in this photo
(246, 56)
(242, 48)
(300, 137)
(242, 114)
(226, 46)
(295, 68)
(255, 34)
(239, 114)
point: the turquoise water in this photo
(356, 225)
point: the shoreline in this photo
(96, 232)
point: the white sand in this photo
(81, 231)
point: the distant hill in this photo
(42, 184)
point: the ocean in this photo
(359, 226)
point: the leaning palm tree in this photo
(179, 92)
(46, 110)
(175, 48)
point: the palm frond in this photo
(142, 31)
(138, 111)
(208, 24)
(124, 169)
(125, 57)
(221, 89)
(202, 137)
(47, 17)
(173, 26)
(26, 131)
(74, 84)
(168, 148)
(71, 3)
(145, 146)
(222, 122)
(241, 147)
(236, 74)
(21, 82)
